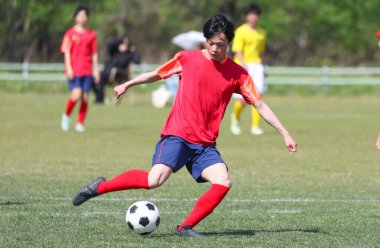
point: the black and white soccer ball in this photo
(143, 217)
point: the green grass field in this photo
(326, 195)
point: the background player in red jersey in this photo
(208, 78)
(79, 46)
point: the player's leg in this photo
(86, 84)
(75, 94)
(137, 179)
(217, 176)
(255, 127)
(239, 106)
(208, 166)
(256, 70)
(132, 179)
(170, 155)
(100, 88)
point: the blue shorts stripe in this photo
(160, 153)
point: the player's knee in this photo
(85, 97)
(76, 96)
(155, 182)
(226, 183)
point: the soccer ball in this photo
(143, 217)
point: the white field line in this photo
(285, 211)
(4, 199)
(118, 213)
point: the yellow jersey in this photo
(251, 42)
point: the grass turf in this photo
(326, 195)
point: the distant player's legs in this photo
(75, 95)
(239, 106)
(132, 179)
(82, 112)
(100, 88)
(217, 176)
(255, 121)
(256, 71)
(85, 84)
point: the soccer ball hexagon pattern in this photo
(143, 217)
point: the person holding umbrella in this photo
(192, 40)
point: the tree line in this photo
(300, 32)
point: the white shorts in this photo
(257, 73)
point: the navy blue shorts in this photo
(82, 82)
(176, 152)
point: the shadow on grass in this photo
(9, 203)
(250, 233)
(254, 232)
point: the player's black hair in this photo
(252, 8)
(217, 25)
(80, 8)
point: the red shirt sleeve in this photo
(94, 44)
(170, 68)
(248, 90)
(66, 43)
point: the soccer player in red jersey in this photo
(79, 46)
(208, 78)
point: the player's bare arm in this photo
(69, 69)
(96, 72)
(144, 78)
(378, 142)
(272, 120)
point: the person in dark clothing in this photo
(117, 68)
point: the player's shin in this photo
(70, 106)
(255, 118)
(83, 111)
(133, 179)
(238, 108)
(205, 205)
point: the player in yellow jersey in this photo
(249, 46)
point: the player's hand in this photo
(119, 90)
(290, 143)
(97, 77)
(70, 74)
(378, 142)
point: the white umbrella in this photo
(189, 40)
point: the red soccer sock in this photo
(133, 179)
(82, 111)
(69, 106)
(205, 205)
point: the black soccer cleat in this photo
(187, 231)
(87, 192)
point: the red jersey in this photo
(81, 47)
(204, 91)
